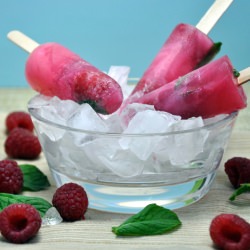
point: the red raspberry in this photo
(238, 170)
(22, 144)
(71, 201)
(19, 119)
(19, 222)
(230, 232)
(11, 177)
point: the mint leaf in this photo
(211, 54)
(236, 73)
(242, 189)
(152, 220)
(40, 204)
(33, 178)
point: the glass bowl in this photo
(123, 173)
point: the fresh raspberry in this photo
(238, 171)
(19, 119)
(19, 222)
(71, 201)
(230, 232)
(22, 144)
(11, 177)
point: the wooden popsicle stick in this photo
(213, 14)
(244, 76)
(23, 41)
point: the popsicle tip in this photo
(23, 41)
(10, 33)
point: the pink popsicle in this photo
(186, 48)
(53, 70)
(208, 91)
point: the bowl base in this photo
(130, 200)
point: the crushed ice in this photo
(122, 153)
(51, 217)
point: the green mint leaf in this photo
(40, 204)
(152, 220)
(236, 73)
(97, 107)
(242, 189)
(211, 54)
(33, 178)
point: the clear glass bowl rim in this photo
(34, 114)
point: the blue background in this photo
(114, 32)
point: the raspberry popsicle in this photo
(53, 70)
(208, 91)
(186, 49)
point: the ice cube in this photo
(124, 163)
(85, 118)
(120, 74)
(51, 217)
(217, 139)
(113, 123)
(111, 158)
(39, 101)
(64, 108)
(214, 119)
(54, 110)
(145, 122)
(76, 162)
(49, 131)
(130, 110)
(188, 144)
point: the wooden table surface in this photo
(95, 231)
